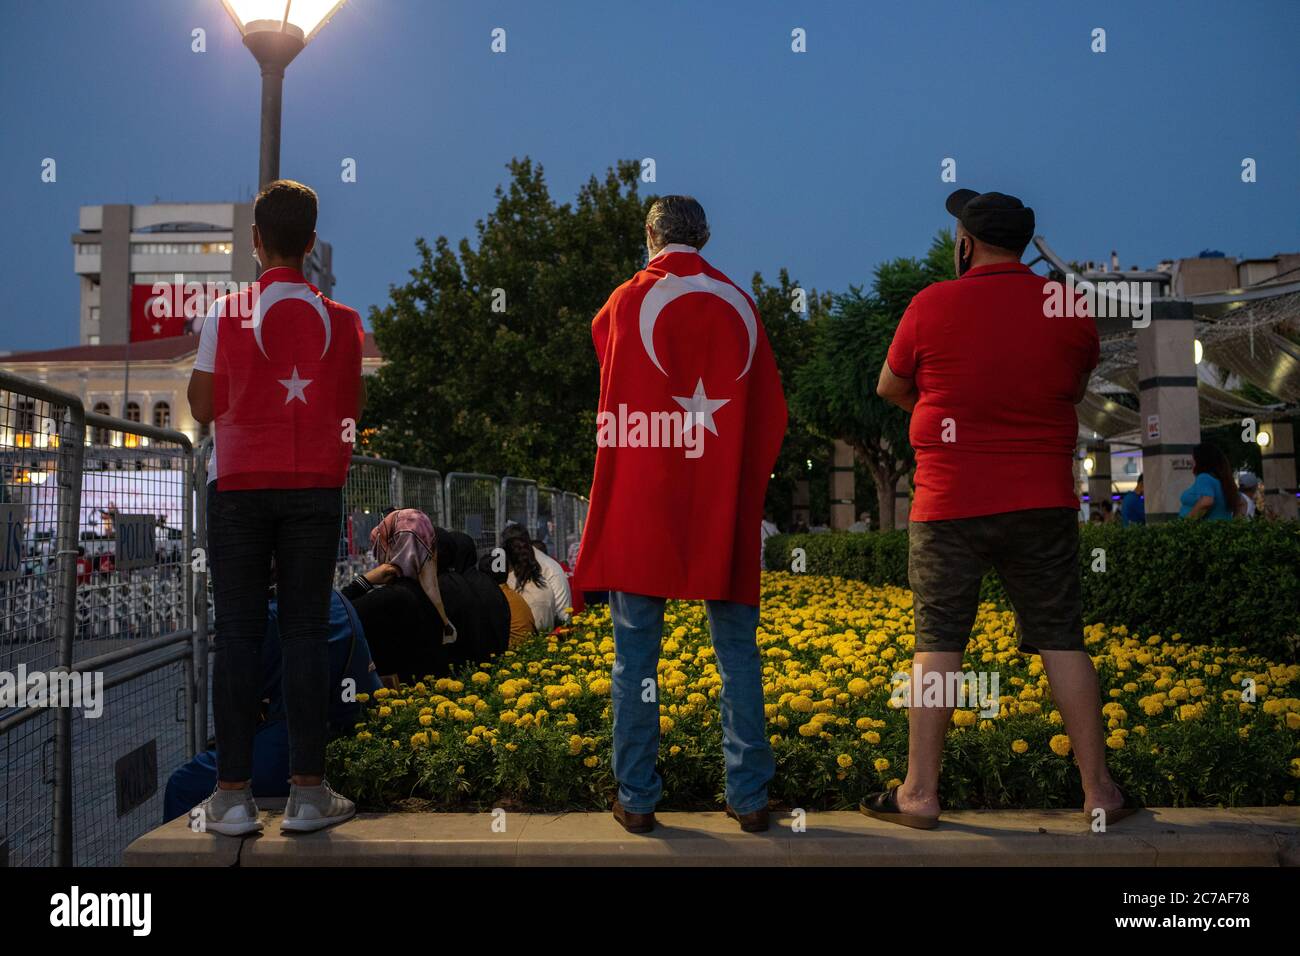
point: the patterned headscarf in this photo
(406, 540)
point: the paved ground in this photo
(1160, 837)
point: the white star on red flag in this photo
(297, 387)
(700, 407)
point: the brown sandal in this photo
(884, 806)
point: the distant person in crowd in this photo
(399, 600)
(278, 370)
(349, 658)
(462, 602)
(522, 625)
(1248, 485)
(553, 576)
(528, 581)
(863, 524)
(684, 519)
(492, 606)
(994, 430)
(1212, 495)
(766, 530)
(1132, 510)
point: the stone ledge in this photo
(1263, 836)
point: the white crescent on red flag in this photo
(690, 420)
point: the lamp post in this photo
(275, 31)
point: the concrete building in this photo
(120, 247)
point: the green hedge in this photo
(1228, 583)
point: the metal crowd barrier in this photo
(104, 577)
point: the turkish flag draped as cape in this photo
(680, 337)
(287, 378)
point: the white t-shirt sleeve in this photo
(558, 583)
(206, 359)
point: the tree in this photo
(835, 389)
(489, 361)
(789, 314)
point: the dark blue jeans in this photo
(299, 529)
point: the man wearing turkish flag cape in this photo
(690, 421)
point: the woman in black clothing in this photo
(400, 602)
(494, 609)
(460, 601)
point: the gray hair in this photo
(677, 219)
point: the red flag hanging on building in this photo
(287, 370)
(690, 421)
(154, 314)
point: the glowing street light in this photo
(1198, 351)
(275, 31)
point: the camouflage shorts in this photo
(1035, 553)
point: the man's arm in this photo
(896, 389)
(200, 396)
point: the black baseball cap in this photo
(996, 218)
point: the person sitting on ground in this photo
(1212, 495)
(399, 600)
(527, 578)
(553, 576)
(461, 602)
(349, 658)
(493, 608)
(862, 525)
(522, 626)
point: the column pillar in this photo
(902, 502)
(801, 511)
(842, 486)
(1099, 479)
(1170, 419)
(1279, 468)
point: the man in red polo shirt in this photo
(278, 372)
(991, 380)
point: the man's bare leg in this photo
(926, 729)
(1077, 693)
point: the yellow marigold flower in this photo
(512, 747)
(881, 765)
(1060, 745)
(1019, 746)
(426, 720)
(385, 711)
(1115, 742)
(362, 698)
(845, 761)
(365, 735)
(575, 745)
(478, 677)
(507, 717)
(674, 750)
(591, 761)
(965, 718)
(665, 724)
(858, 687)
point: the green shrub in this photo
(1217, 582)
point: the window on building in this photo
(99, 436)
(162, 415)
(94, 313)
(92, 340)
(132, 411)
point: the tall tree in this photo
(790, 313)
(489, 362)
(835, 389)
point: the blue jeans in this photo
(638, 633)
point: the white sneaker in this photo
(230, 812)
(315, 808)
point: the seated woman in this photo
(1213, 495)
(526, 573)
(400, 601)
(521, 615)
(462, 604)
(493, 608)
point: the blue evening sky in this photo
(825, 162)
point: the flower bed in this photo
(532, 729)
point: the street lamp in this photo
(275, 31)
